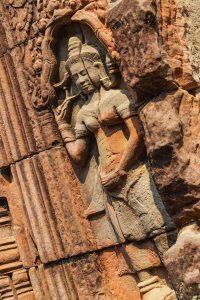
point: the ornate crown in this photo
(77, 51)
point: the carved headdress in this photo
(79, 52)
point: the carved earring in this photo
(104, 79)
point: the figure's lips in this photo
(85, 86)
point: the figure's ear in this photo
(104, 79)
(99, 66)
(113, 71)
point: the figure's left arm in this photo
(134, 148)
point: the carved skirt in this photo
(135, 208)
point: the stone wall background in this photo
(160, 59)
(65, 256)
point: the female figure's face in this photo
(85, 83)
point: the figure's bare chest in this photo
(99, 114)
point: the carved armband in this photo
(67, 133)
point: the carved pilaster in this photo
(14, 280)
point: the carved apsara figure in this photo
(109, 116)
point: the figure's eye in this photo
(83, 72)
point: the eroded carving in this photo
(92, 13)
(59, 56)
(152, 35)
(108, 115)
(14, 280)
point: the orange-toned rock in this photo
(91, 276)
(109, 274)
(171, 124)
(183, 262)
(24, 131)
(157, 42)
(88, 221)
(14, 279)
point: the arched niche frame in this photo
(67, 17)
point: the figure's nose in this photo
(81, 79)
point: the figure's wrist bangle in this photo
(122, 172)
(67, 133)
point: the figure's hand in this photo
(110, 180)
(63, 111)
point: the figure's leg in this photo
(152, 288)
(143, 260)
(97, 204)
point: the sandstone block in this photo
(46, 198)
(171, 124)
(24, 131)
(14, 280)
(90, 276)
(183, 262)
(157, 42)
(53, 208)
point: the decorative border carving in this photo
(93, 15)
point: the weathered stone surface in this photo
(157, 43)
(158, 46)
(16, 286)
(46, 243)
(47, 191)
(6, 291)
(17, 17)
(179, 32)
(87, 219)
(164, 242)
(22, 286)
(171, 124)
(41, 187)
(134, 26)
(14, 280)
(3, 47)
(90, 277)
(16, 136)
(9, 254)
(190, 11)
(106, 274)
(183, 262)
(23, 130)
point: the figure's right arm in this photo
(78, 150)
(77, 146)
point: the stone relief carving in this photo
(164, 68)
(92, 13)
(14, 279)
(117, 187)
(21, 16)
(107, 116)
